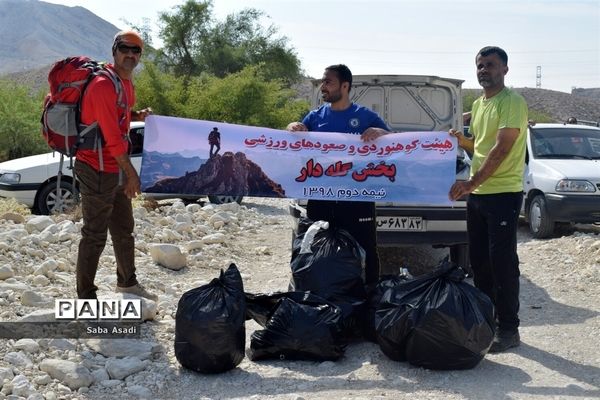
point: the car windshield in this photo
(566, 143)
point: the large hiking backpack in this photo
(61, 116)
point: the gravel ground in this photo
(559, 357)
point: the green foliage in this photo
(164, 93)
(467, 100)
(195, 44)
(540, 116)
(182, 33)
(245, 97)
(20, 129)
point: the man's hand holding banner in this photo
(409, 167)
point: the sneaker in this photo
(138, 290)
(504, 340)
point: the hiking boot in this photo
(137, 290)
(504, 340)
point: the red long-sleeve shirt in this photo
(100, 104)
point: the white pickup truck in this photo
(413, 103)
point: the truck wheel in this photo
(540, 224)
(459, 254)
(225, 199)
(47, 199)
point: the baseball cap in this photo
(129, 37)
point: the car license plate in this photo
(400, 224)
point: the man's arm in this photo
(505, 139)
(132, 185)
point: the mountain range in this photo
(36, 34)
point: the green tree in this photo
(194, 43)
(244, 97)
(165, 93)
(468, 98)
(20, 128)
(182, 32)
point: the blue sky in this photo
(421, 37)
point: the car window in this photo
(136, 137)
(565, 143)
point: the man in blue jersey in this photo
(339, 114)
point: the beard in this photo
(331, 97)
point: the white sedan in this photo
(32, 180)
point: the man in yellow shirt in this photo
(495, 189)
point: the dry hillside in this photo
(558, 105)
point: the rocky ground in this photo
(560, 310)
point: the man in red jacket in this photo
(107, 179)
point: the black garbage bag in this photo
(374, 298)
(329, 263)
(210, 336)
(299, 326)
(436, 321)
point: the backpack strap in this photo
(91, 135)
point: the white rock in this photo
(27, 345)
(182, 227)
(61, 344)
(140, 392)
(17, 359)
(71, 374)
(100, 375)
(120, 368)
(124, 348)
(38, 223)
(193, 245)
(265, 250)
(41, 280)
(36, 396)
(192, 208)
(232, 207)
(31, 298)
(21, 386)
(214, 238)
(111, 383)
(15, 286)
(48, 265)
(168, 255)
(183, 218)
(43, 315)
(6, 373)
(43, 379)
(6, 272)
(13, 234)
(50, 395)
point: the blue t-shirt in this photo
(355, 119)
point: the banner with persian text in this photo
(192, 157)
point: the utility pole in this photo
(538, 77)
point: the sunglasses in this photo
(123, 48)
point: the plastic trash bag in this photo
(298, 326)
(436, 321)
(210, 336)
(329, 263)
(374, 298)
